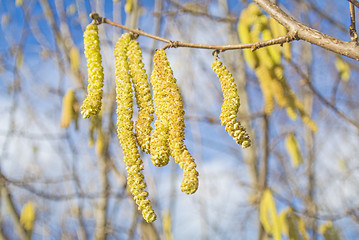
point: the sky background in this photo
(36, 152)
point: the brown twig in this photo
(352, 28)
(303, 32)
(355, 2)
(182, 8)
(175, 44)
(321, 98)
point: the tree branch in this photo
(352, 27)
(355, 2)
(175, 44)
(321, 97)
(302, 32)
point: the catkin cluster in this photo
(126, 136)
(254, 26)
(92, 104)
(168, 136)
(230, 105)
(143, 96)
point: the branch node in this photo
(96, 18)
(291, 36)
(215, 53)
(171, 44)
(135, 35)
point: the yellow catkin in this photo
(126, 136)
(69, 112)
(230, 105)
(305, 117)
(279, 86)
(143, 96)
(174, 115)
(277, 31)
(28, 216)
(293, 149)
(245, 37)
(159, 146)
(265, 82)
(92, 104)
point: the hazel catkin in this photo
(143, 96)
(230, 105)
(92, 104)
(159, 146)
(126, 136)
(172, 112)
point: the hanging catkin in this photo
(126, 136)
(143, 96)
(230, 105)
(92, 104)
(167, 95)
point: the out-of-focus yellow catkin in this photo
(329, 232)
(126, 136)
(75, 58)
(268, 215)
(278, 30)
(170, 98)
(230, 105)
(128, 6)
(27, 216)
(18, 3)
(94, 128)
(143, 96)
(167, 225)
(305, 117)
(293, 149)
(292, 225)
(244, 31)
(291, 108)
(100, 143)
(92, 104)
(279, 85)
(273, 50)
(265, 81)
(69, 109)
(343, 69)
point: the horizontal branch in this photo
(175, 44)
(302, 32)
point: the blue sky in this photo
(40, 147)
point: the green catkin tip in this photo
(126, 136)
(92, 104)
(230, 106)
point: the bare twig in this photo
(323, 14)
(352, 28)
(20, 230)
(321, 98)
(303, 32)
(280, 40)
(355, 2)
(263, 174)
(195, 11)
